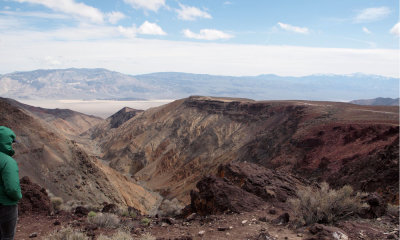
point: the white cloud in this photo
(21, 14)
(207, 34)
(227, 3)
(366, 30)
(27, 50)
(114, 17)
(372, 14)
(396, 29)
(191, 13)
(127, 32)
(152, 5)
(150, 29)
(290, 28)
(71, 7)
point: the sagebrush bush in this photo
(72, 204)
(120, 235)
(393, 210)
(145, 221)
(105, 220)
(325, 205)
(66, 234)
(91, 214)
(147, 236)
(170, 208)
(56, 203)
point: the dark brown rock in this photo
(110, 208)
(34, 198)
(282, 219)
(81, 211)
(217, 195)
(323, 232)
(265, 183)
(376, 206)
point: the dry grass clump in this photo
(147, 236)
(170, 208)
(71, 205)
(393, 210)
(325, 205)
(57, 203)
(104, 220)
(66, 234)
(120, 235)
(145, 221)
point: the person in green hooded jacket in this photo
(10, 189)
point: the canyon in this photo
(143, 159)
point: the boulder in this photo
(34, 198)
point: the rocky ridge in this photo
(170, 148)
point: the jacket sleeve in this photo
(10, 176)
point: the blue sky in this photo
(291, 38)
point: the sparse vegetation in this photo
(170, 207)
(105, 220)
(92, 214)
(72, 204)
(147, 236)
(120, 235)
(56, 203)
(145, 221)
(128, 214)
(393, 210)
(325, 205)
(66, 234)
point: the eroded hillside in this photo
(64, 167)
(170, 147)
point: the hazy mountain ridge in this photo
(377, 102)
(104, 84)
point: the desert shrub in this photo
(170, 208)
(105, 220)
(73, 204)
(66, 234)
(147, 236)
(145, 221)
(127, 212)
(325, 205)
(56, 203)
(92, 214)
(120, 235)
(392, 210)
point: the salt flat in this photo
(100, 108)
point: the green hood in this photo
(7, 137)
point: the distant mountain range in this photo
(104, 84)
(378, 102)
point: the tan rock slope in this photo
(60, 165)
(171, 147)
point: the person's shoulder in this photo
(4, 159)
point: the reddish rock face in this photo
(34, 198)
(217, 195)
(184, 141)
(243, 187)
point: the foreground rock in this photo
(34, 198)
(243, 187)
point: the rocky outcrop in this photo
(34, 198)
(243, 187)
(270, 185)
(217, 195)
